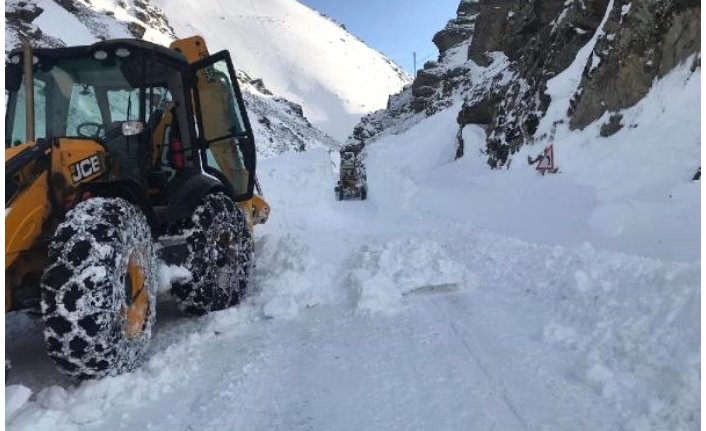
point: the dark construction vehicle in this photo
(353, 181)
(116, 153)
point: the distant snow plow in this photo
(353, 182)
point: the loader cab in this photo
(131, 119)
(117, 96)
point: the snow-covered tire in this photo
(99, 289)
(220, 257)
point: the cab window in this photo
(83, 108)
(229, 145)
(16, 132)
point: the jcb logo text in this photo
(86, 168)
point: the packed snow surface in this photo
(300, 54)
(455, 298)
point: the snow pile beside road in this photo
(289, 279)
(60, 410)
(384, 274)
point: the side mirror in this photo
(133, 128)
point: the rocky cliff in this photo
(498, 60)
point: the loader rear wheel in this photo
(99, 290)
(220, 257)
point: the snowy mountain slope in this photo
(300, 54)
(280, 125)
(422, 309)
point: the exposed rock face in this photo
(498, 55)
(460, 29)
(644, 40)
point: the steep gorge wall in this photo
(499, 55)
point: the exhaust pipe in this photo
(29, 87)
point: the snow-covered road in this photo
(407, 312)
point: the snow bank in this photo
(382, 275)
(289, 279)
(636, 321)
(60, 409)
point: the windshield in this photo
(83, 97)
(68, 93)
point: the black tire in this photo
(220, 256)
(99, 289)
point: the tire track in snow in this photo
(495, 383)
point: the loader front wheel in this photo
(220, 257)
(99, 289)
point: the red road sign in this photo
(546, 164)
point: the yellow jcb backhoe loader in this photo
(114, 153)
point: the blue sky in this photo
(394, 27)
